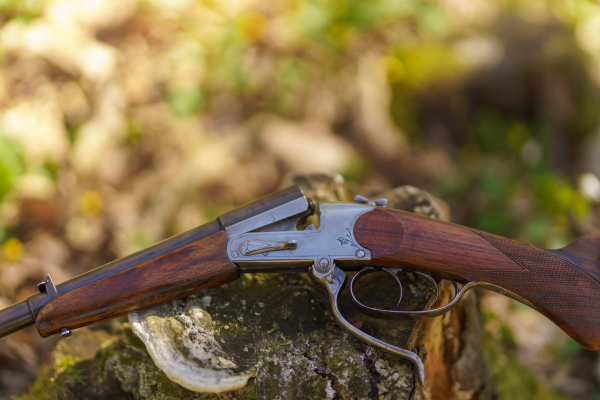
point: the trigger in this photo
(392, 271)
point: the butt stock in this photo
(564, 284)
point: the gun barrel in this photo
(15, 317)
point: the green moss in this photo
(74, 370)
(44, 387)
(64, 361)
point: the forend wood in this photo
(183, 271)
(563, 284)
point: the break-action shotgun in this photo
(563, 285)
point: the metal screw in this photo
(234, 254)
(360, 253)
(323, 264)
(64, 332)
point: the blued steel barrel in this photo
(15, 317)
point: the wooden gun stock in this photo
(173, 269)
(563, 285)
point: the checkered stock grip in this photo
(564, 284)
(563, 288)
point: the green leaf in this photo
(11, 165)
(187, 101)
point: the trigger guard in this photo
(436, 312)
(401, 314)
(333, 282)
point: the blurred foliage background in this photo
(124, 122)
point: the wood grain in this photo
(199, 265)
(564, 284)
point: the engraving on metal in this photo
(347, 239)
(333, 239)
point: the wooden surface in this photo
(200, 265)
(561, 284)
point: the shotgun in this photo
(364, 236)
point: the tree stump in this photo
(271, 336)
